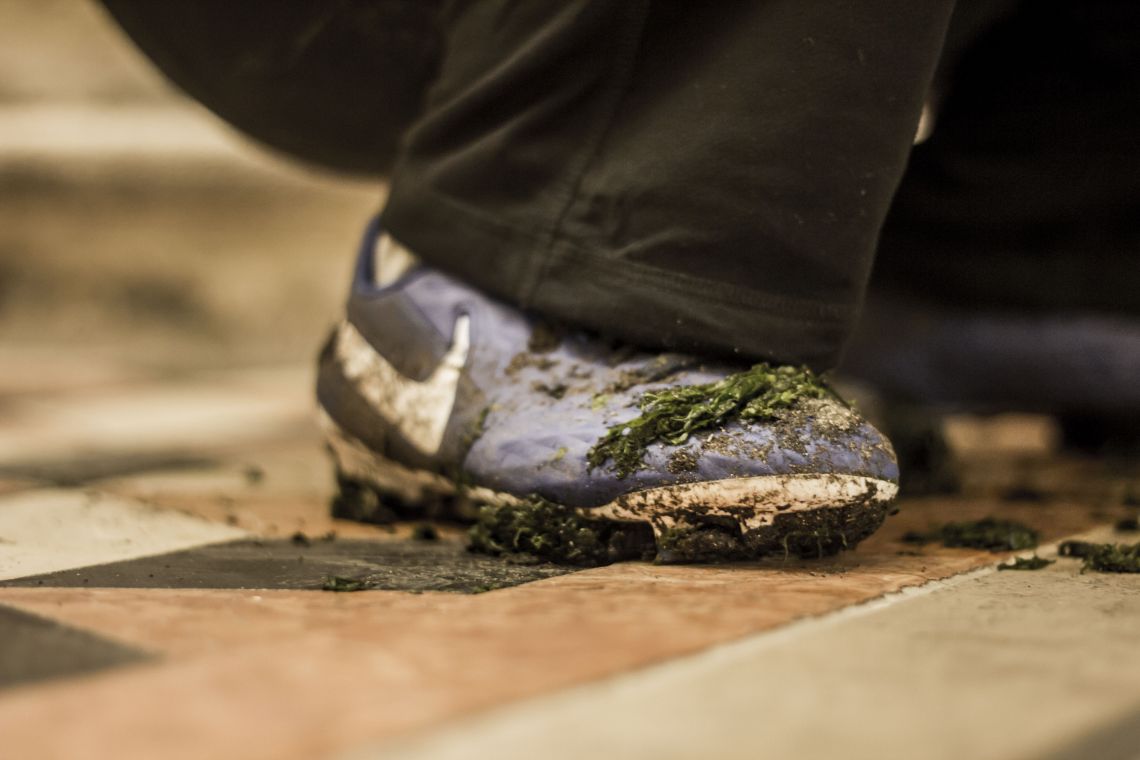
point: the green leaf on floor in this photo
(990, 533)
(1103, 558)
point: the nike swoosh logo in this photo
(418, 410)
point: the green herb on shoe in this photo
(673, 414)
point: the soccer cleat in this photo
(438, 401)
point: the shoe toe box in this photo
(547, 453)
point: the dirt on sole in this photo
(537, 530)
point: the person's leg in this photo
(708, 177)
(1007, 273)
(1026, 194)
(702, 177)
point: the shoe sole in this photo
(725, 520)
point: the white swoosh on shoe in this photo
(418, 410)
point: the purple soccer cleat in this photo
(439, 401)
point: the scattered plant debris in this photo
(540, 529)
(1114, 558)
(425, 532)
(990, 533)
(654, 371)
(673, 414)
(524, 360)
(555, 391)
(300, 539)
(682, 460)
(1027, 563)
(1103, 558)
(340, 583)
(578, 372)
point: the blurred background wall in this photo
(135, 227)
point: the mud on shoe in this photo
(438, 401)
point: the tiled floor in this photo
(163, 543)
(164, 530)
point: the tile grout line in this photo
(152, 652)
(758, 642)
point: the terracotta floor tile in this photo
(287, 674)
(995, 666)
(33, 649)
(252, 672)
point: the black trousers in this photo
(707, 177)
(714, 177)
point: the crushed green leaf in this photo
(673, 414)
(537, 530)
(1103, 558)
(340, 583)
(1115, 558)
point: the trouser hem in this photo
(645, 305)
